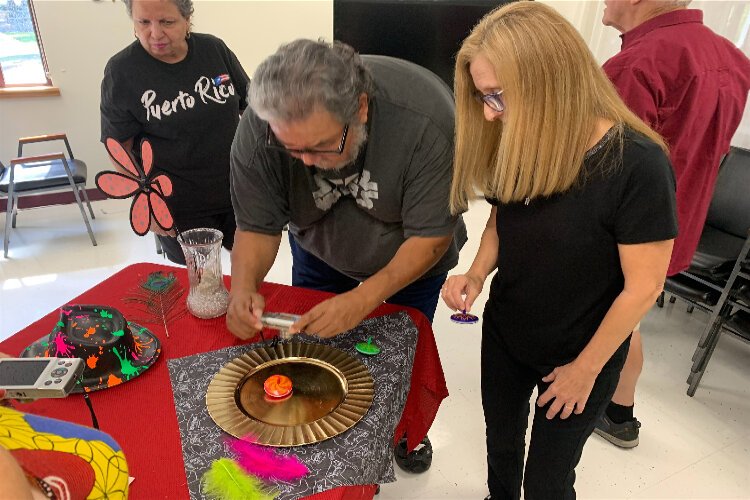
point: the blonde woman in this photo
(581, 232)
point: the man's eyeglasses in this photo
(494, 100)
(273, 143)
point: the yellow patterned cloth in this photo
(23, 431)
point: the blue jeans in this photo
(309, 271)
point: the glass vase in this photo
(208, 297)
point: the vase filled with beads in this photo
(208, 297)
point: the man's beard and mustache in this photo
(358, 134)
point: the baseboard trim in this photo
(47, 199)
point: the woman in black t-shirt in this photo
(580, 231)
(184, 92)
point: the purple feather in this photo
(265, 463)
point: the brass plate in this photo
(331, 392)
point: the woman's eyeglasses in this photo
(494, 100)
(273, 143)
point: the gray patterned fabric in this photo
(361, 455)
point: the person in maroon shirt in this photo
(690, 85)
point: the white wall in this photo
(730, 19)
(81, 35)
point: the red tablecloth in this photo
(140, 414)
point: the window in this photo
(22, 61)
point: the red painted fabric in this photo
(140, 414)
(73, 471)
(690, 85)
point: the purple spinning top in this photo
(464, 318)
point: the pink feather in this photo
(265, 463)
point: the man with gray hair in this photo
(355, 155)
(690, 85)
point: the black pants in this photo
(556, 445)
(223, 222)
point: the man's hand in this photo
(244, 312)
(333, 316)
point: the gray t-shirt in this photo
(355, 219)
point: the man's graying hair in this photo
(304, 74)
(184, 6)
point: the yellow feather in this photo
(226, 480)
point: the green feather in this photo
(226, 480)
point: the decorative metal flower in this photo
(149, 192)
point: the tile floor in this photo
(690, 447)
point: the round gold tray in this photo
(331, 391)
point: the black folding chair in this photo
(716, 273)
(48, 172)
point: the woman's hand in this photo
(3, 401)
(461, 290)
(154, 228)
(570, 387)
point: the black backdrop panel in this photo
(427, 32)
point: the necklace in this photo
(47, 490)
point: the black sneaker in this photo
(418, 460)
(624, 435)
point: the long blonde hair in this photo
(555, 92)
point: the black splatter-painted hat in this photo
(114, 350)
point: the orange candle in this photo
(278, 386)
